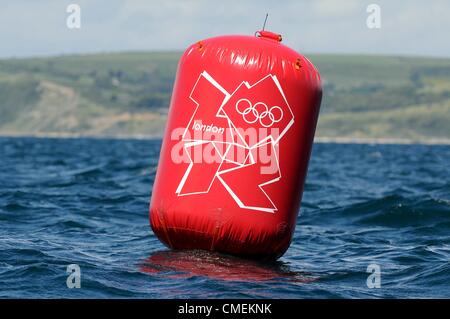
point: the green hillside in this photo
(124, 94)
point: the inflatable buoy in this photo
(236, 148)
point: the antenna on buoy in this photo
(265, 20)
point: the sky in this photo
(39, 27)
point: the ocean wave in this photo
(85, 202)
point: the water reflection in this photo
(184, 263)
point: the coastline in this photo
(317, 139)
(381, 140)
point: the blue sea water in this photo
(85, 202)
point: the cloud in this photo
(30, 28)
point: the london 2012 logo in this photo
(242, 130)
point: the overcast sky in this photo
(38, 27)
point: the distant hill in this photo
(127, 94)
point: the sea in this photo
(374, 223)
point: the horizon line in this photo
(180, 51)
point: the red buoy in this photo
(236, 148)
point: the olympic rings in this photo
(259, 112)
